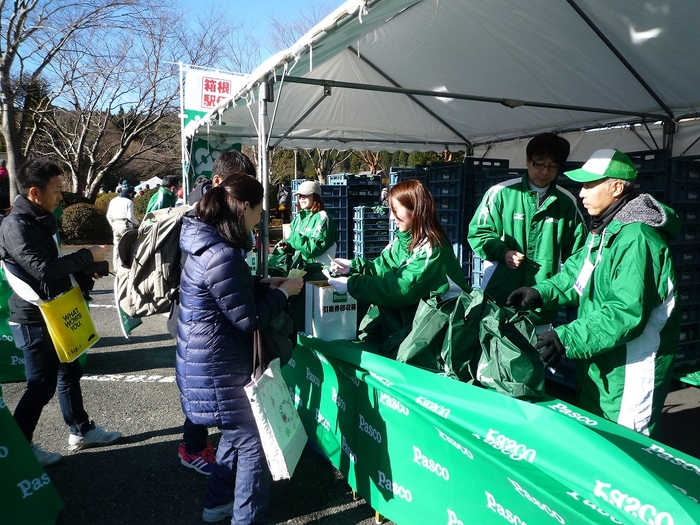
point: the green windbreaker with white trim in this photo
(313, 235)
(398, 279)
(628, 324)
(511, 218)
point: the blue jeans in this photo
(44, 373)
(241, 475)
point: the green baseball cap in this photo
(604, 164)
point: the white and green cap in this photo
(604, 164)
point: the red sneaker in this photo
(203, 462)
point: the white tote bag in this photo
(281, 431)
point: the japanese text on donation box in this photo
(329, 315)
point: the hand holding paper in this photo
(340, 266)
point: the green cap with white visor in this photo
(604, 164)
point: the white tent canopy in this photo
(369, 76)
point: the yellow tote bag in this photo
(70, 324)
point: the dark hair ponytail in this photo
(223, 207)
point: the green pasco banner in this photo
(203, 153)
(28, 495)
(11, 358)
(424, 448)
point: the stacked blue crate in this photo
(295, 186)
(335, 200)
(684, 198)
(371, 231)
(449, 186)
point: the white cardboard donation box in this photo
(330, 315)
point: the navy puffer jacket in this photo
(219, 312)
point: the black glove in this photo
(550, 347)
(524, 298)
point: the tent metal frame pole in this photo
(621, 58)
(425, 108)
(326, 93)
(264, 174)
(508, 102)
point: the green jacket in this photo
(509, 218)
(398, 279)
(312, 235)
(163, 198)
(628, 322)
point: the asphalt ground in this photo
(130, 386)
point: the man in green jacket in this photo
(526, 227)
(623, 282)
(166, 196)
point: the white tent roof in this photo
(507, 68)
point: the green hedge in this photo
(141, 203)
(83, 222)
(102, 202)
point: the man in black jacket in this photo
(29, 251)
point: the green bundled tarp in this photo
(11, 358)
(471, 338)
(28, 495)
(423, 448)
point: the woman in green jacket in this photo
(418, 262)
(313, 234)
(311, 243)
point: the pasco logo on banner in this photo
(452, 518)
(337, 399)
(388, 401)
(509, 446)
(396, 489)
(499, 509)
(312, 378)
(631, 505)
(346, 448)
(525, 494)
(661, 453)
(433, 407)
(464, 450)
(431, 465)
(370, 430)
(322, 420)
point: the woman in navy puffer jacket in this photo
(219, 311)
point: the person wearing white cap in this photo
(623, 282)
(311, 242)
(312, 233)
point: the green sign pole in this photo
(423, 448)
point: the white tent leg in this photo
(264, 174)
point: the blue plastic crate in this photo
(689, 214)
(684, 192)
(686, 168)
(446, 172)
(296, 183)
(650, 160)
(689, 332)
(688, 354)
(476, 165)
(686, 255)
(369, 212)
(371, 236)
(689, 296)
(339, 214)
(328, 190)
(687, 275)
(341, 250)
(654, 182)
(337, 179)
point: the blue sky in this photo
(257, 12)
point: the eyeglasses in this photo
(539, 166)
